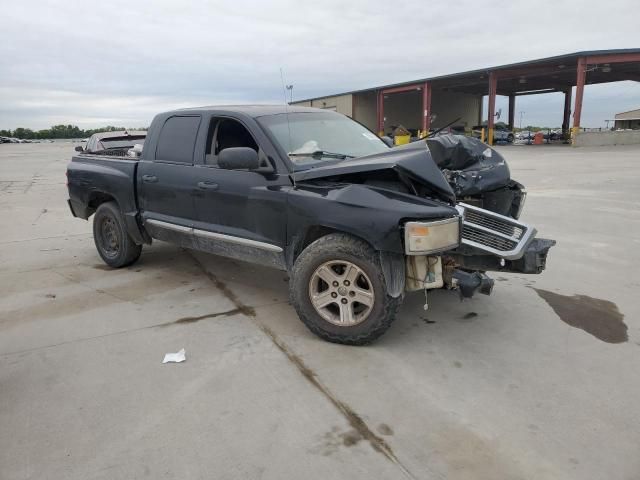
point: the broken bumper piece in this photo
(532, 261)
(469, 283)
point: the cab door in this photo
(166, 181)
(240, 212)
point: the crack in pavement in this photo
(46, 238)
(179, 321)
(354, 420)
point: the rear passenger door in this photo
(166, 180)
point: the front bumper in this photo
(532, 261)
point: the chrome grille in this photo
(498, 225)
(494, 233)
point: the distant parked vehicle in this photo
(4, 140)
(500, 133)
(112, 143)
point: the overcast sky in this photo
(120, 62)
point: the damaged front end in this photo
(491, 236)
(458, 209)
(488, 242)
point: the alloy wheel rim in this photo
(109, 233)
(341, 293)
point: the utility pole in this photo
(521, 114)
(290, 88)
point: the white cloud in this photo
(126, 60)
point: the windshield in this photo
(319, 137)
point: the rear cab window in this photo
(177, 139)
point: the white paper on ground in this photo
(175, 357)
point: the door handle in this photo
(207, 186)
(149, 179)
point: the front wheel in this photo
(113, 243)
(338, 289)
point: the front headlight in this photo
(421, 238)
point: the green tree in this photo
(23, 133)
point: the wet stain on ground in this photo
(469, 316)
(600, 318)
(186, 320)
(427, 321)
(350, 438)
(220, 285)
(457, 364)
(384, 429)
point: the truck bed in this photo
(91, 178)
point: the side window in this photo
(226, 133)
(177, 139)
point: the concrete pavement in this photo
(507, 386)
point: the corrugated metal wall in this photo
(447, 106)
(631, 115)
(366, 110)
(340, 103)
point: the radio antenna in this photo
(286, 110)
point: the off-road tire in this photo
(338, 246)
(127, 251)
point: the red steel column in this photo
(512, 111)
(493, 85)
(566, 119)
(581, 76)
(426, 108)
(380, 111)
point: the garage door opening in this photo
(402, 109)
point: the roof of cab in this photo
(250, 110)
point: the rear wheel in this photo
(338, 289)
(113, 243)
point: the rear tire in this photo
(116, 248)
(339, 292)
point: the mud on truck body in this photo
(355, 223)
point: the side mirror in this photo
(388, 140)
(238, 158)
(79, 148)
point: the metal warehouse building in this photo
(430, 103)
(628, 120)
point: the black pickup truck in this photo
(355, 222)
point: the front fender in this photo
(371, 213)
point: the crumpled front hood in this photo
(413, 160)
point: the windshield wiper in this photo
(321, 154)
